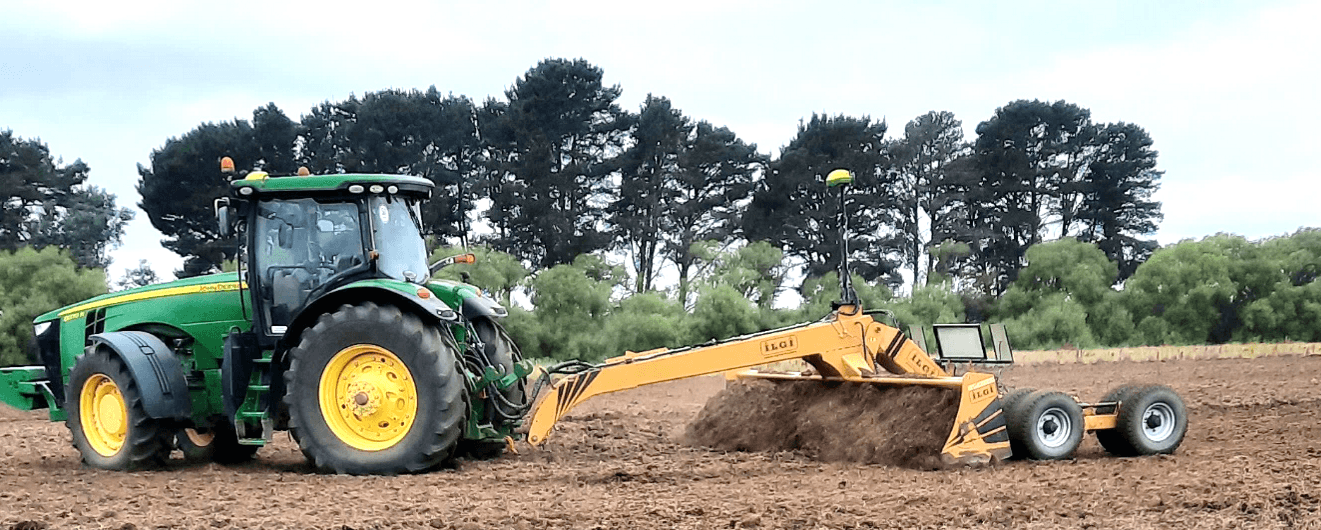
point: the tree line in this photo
(49, 203)
(1222, 288)
(1219, 289)
(56, 232)
(565, 176)
(565, 172)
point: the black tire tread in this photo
(1111, 439)
(148, 442)
(437, 360)
(1022, 423)
(1130, 419)
(1009, 404)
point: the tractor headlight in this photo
(38, 329)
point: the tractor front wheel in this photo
(109, 425)
(374, 390)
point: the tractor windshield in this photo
(396, 228)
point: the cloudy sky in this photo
(1227, 89)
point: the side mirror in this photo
(223, 212)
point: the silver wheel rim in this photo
(1054, 427)
(1158, 422)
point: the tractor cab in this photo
(304, 246)
(305, 236)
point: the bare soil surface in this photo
(1252, 459)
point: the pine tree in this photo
(649, 187)
(1116, 209)
(716, 172)
(554, 144)
(792, 208)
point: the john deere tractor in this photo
(332, 328)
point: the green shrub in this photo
(34, 282)
(1056, 321)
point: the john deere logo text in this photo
(779, 346)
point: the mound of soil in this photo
(904, 426)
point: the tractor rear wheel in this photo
(217, 444)
(109, 425)
(374, 390)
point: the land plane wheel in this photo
(1009, 406)
(109, 425)
(1111, 439)
(374, 390)
(1152, 420)
(1046, 425)
(217, 444)
(1012, 398)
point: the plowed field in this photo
(1252, 459)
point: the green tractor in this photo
(331, 329)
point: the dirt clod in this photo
(902, 426)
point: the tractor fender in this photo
(155, 369)
(431, 307)
(480, 306)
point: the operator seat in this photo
(289, 289)
(341, 246)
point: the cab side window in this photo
(301, 244)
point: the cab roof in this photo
(260, 183)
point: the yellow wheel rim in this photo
(103, 415)
(368, 397)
